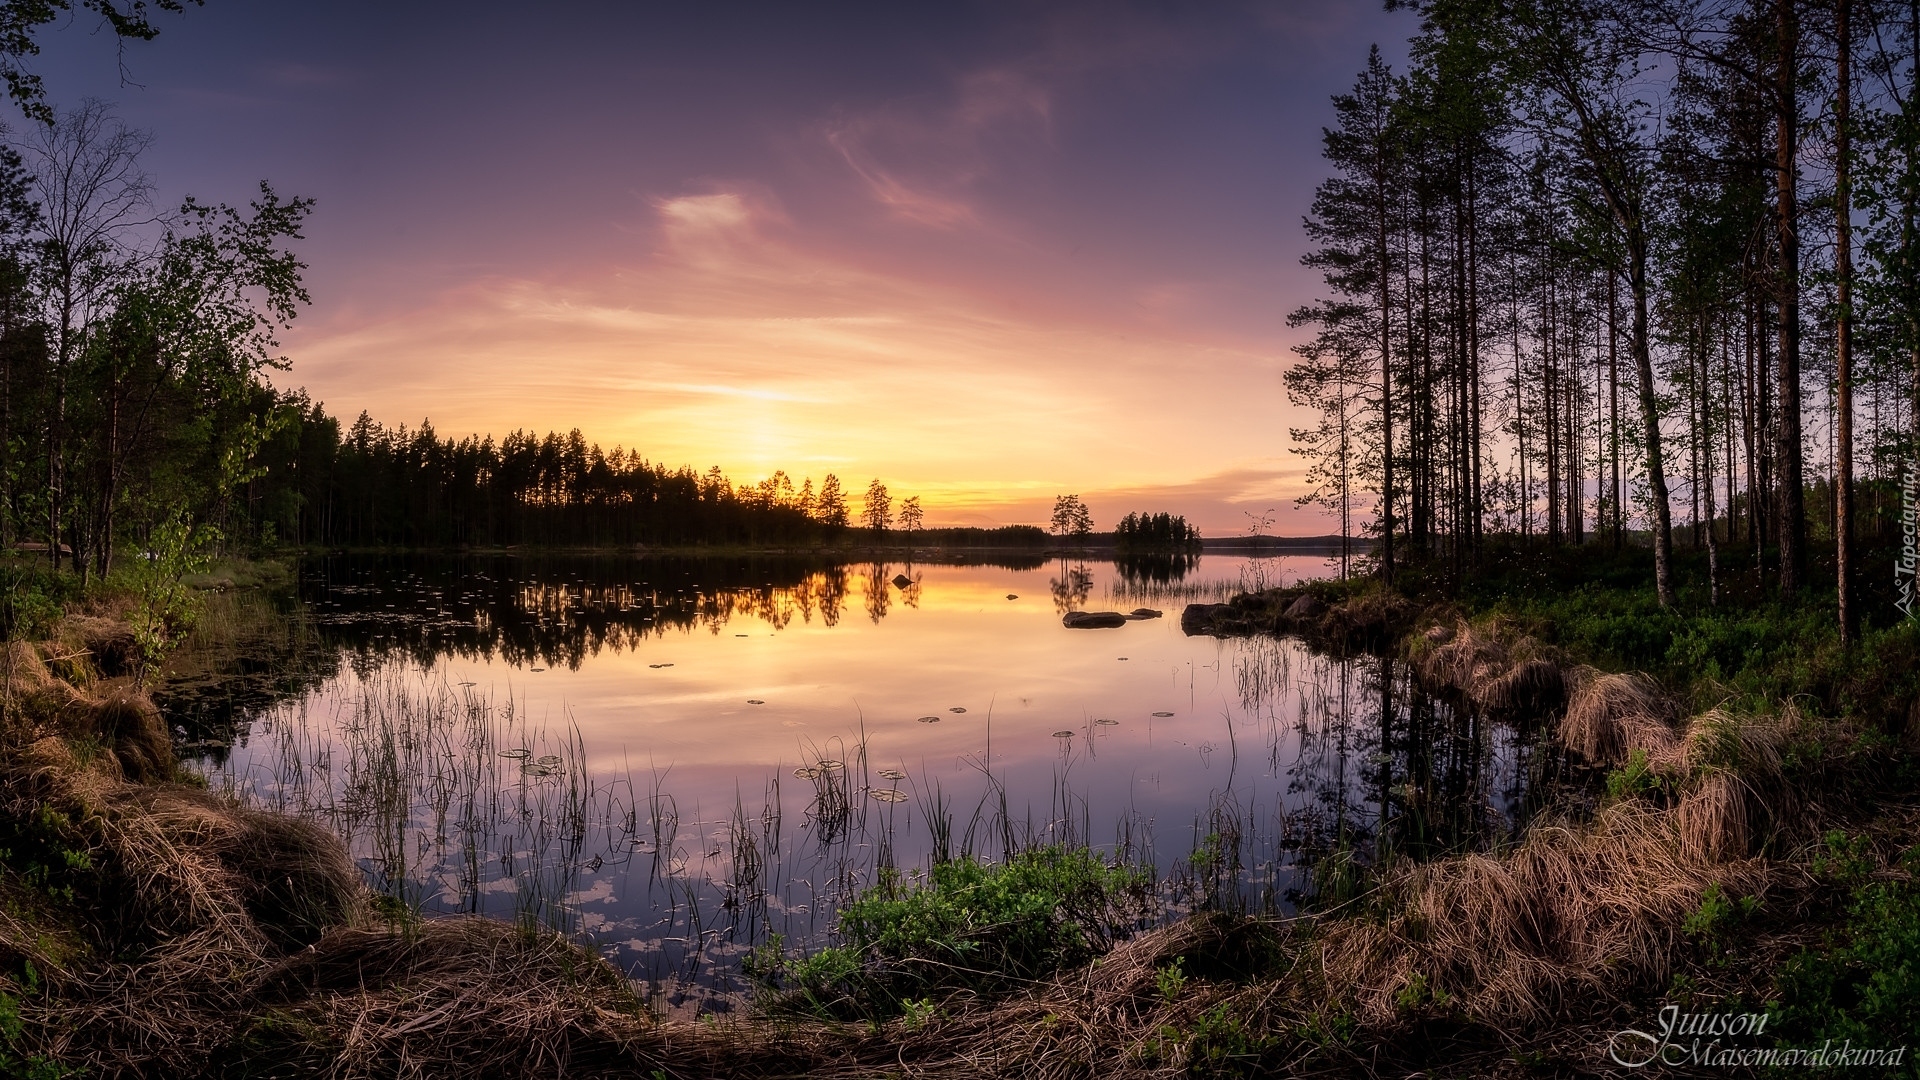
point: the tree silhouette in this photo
(879, 511)
(1071, 518)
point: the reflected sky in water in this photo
(723, 739)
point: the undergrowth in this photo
(970, 926)
(1862, 985)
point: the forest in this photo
(1637, 274)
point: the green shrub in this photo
(1223, 1044)
(1718, 915)
(1171, 979)
(974, 926)
(1864, 984)
(1636, 777)
(32, 598)
(38, 848)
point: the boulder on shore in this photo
(1092, 620)
(1307, 607)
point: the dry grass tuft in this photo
(1462, 658)
(1713, 818)
(127, 723)
(1493, 675)
(1610, 716)
(1531, 685)
(1569, 918)
(108, 642)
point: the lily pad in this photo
(1063, 734)
(537, 669)
(755, 701)
(958, 709)
(1163, 714)
(808, 772)
(1104, 722)
(518, 752)
(831, 765)
(892, 774)
(890, 795)
(929, 719)
(549, 760)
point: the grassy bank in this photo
(1758, 800)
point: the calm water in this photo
(675, 757)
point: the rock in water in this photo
(901, 581)
(1092, 620)
(1143, 613)
(1200, 618)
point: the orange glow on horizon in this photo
(731, 344)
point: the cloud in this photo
(729, 343)
(919, 162)
(703, 214)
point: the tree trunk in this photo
(1618, 491)
(1843, 332)
(1792, 522)
(1386, 377)
(1650, 421)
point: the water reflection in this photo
(676, 758)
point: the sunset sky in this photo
(988, 253)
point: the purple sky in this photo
(989, 253)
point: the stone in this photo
(1307, 607)
(1092, 620)
(1199, 618)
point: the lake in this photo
(675, 757)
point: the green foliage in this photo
(1334, 1030)
(972, 926)
(1844, 860)
(1419, 993)
(1171, 979)
(1863, 984)
(1340, 878)
(1222, 1043)
(39, 849)
(32, 598)
(1718, 915)
(14, 1065)
(168, 606)
(1634, 778)
(917, 1014)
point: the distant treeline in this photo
(367, 485)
